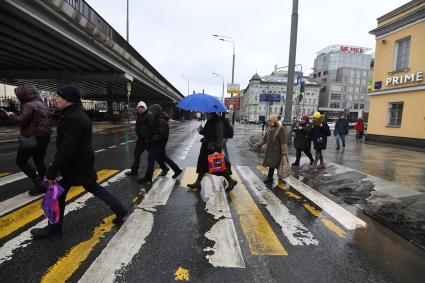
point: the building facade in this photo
(343, 72)
(265, 96)
(397, 101)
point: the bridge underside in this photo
(51, 51)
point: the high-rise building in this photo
(343, 72)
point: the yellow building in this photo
(397, 101)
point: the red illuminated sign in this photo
(235, 103)
(351, 49)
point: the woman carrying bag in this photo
(276, 147)
(212, 142)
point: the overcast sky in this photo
(175, 36)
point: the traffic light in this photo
(302, 87)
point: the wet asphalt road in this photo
(178, 244)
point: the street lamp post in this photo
(291, 70)
(231, 40)
(222, 93)
(129, 83)
(188, 92)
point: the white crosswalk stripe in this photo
(12, 178)
(292, 228)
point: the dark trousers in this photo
(38, 153)
(319, 156)
(307, 153)
(164, 158)
(94, 188)
(154, 154)
(138, 150)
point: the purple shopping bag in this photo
(50, 202)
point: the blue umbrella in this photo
(202, 102)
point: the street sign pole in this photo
(128, 100)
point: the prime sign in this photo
(407, 78)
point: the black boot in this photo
(269, 179)
(50, 231)
(121, 216)
(164, 171)
(131, 173)
(232, 184)
(197, 184)
(39, 187)
(177, 173)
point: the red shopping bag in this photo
(216, 162)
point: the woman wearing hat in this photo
(276, 147)
(320, 132)
(74, 159)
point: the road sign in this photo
(233, 88)
(128, 86)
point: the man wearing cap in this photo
(74, 159)
(144, 124)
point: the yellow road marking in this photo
(328, 223)
(189, 177)
(2, 174)
(182, 274)
(258, 232)
(21, 217)
(63, 269)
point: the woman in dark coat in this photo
(212, 142)
(34, 120)
(74, 159)
(320, 132)
(302, 140)
(276, 147)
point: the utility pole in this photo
(129, 83)
(287, 123)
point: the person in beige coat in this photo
(276, 147)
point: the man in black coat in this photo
(302, 140)
(74, 159)
(144, 124)
(157, 146)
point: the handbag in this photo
(27, 142)
(50, 202)
(216, 162)
(284, 169)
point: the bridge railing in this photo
(87, 11)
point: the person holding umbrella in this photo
(212, 141)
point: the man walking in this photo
(74, 159)
(341, 129)
(143, 130)
(34, 122)
(157, 147)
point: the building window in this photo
(356, 89)
(334, 105)
(335, 96)
(395, 113)
(401, 54)
(336, 88)
(356, 106)
(361, 106)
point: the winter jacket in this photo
(302, 139)
(160, 130)
(144, 125)
(341, 127)
(211, 142)
(276, 146)
(359, 126)
(319, 135)
(34, 118)
(74, 159)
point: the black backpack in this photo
(228, 129)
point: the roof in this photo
(399, 9)
(255, 77)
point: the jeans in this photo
(338, 138)
(38, 153)
(319, 156)
(138, 150)
(96, 189)
(164, 158)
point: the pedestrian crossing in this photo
(252, 216)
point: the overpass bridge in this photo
(49, 43)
